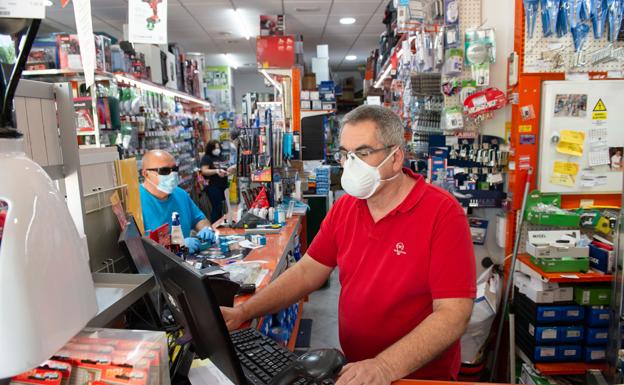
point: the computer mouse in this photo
(318, 365)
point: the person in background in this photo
(234, 142)
(616, 160)
(405, 257)
(161, 196)
(216, 169)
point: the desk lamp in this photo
(46, 290)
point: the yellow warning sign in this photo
(524, 128)
(600, 111)
(600, 106)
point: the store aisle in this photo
(322, 308)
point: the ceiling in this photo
(209, 26)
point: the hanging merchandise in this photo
(451, 36)
(451, 12)
(451, 87)
(530, 10)
(454, 64)
(574, 13)
(579, 36)
(468, 89)
(563, 18)
(549, 16)
(585, 13)
(481, 104)
(438, 50)
(452, 118)
(599, 17)
(480, 48)
(614, 8)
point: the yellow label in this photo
(570, 149)
(603, 225)
(571, 136)
(599, 115)
(567, 168)
(524, 128)
(600, 106)
(562, 180)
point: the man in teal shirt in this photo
(161, 196)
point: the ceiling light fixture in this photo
(350, 57)
(347, 20)
(194, 53)
(243, 25)
(310, 9)
(231, 62)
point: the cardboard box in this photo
(64, 368)
(124, 376)
(328, 96)
(601, 260)
(69, 51)
(38, 377)
(306, 105)
(305, 95)
(564, 294)
(547, 244)
(594, 296)
(315, 95)
(317, 105)
(562, 265)
(328, 106)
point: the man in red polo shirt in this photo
(406, 262)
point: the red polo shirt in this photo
(392, 270)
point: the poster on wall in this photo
(147, 21)
(272, 25)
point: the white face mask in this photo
(216, 152)
(361, 180)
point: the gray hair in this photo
(390, 129)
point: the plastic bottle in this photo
(177, 238)
(297, 186)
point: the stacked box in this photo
(563, 331)
(323, 180)
(327, 95)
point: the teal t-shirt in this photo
(157, 212)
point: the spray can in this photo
(177, 238)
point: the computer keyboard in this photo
(262, 358)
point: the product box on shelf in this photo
(594, 296)
(306, 105)
(305, 95)
(327, 86)
(317, 105)
(69, 51)
(555, 244)
(328, 106)
(315, 95)
(547, 352)
(562, 265)
(328, 97)
(535, 213)
(569, 353)
(64, 368)
(601, 260)
(541, 314)
(38, 377)
(597, 336)
(43, 55)
(595, 353)
(83, 108)
(556, 334)
(597, 316)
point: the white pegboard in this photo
(539, 52)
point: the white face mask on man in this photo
(361, 180)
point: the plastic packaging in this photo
(454, 64)
(563, 18)
(599, 17)
(614, 8)
(574, 13)
(579, 36)
(530, 11)
(453, 118)
(451, 12)
(549, 16)
(480, 52)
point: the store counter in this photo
(274, 254)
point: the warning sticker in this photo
(600, 111)
(524, 128)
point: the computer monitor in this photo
(194, 305)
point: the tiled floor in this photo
(322, 308)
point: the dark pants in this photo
(216, 196)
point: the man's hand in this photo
(222, 173)
(233, 316)
(367, 372)
(207, 234)
(192, 244)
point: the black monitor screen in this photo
(132, 246)
(194, 306)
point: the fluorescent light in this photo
(347, 20)
(194, 53)
(271, 80)
(350, 57)
(159, 89)
(48, 3)
(231, 62)
(383, 77)
(243, 25)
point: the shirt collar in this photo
(412, 199)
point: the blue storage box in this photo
(569, 353)
(597, 336)
(571, 313)
(597, 316)
(556, 334)
(595, 353)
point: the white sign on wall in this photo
(147, 21)
(30, 9)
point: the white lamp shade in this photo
(46, 288)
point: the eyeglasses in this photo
(164, 170)
(341, 155)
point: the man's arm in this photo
(303, 278)
(201, 224)
(427, 341)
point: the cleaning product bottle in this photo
(297, 186)
(177, 238)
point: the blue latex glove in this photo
(207, 235)
(192, 244)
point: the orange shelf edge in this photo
(295, 332)
(560, 277)
(568, 368)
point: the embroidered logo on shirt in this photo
(399, 249)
